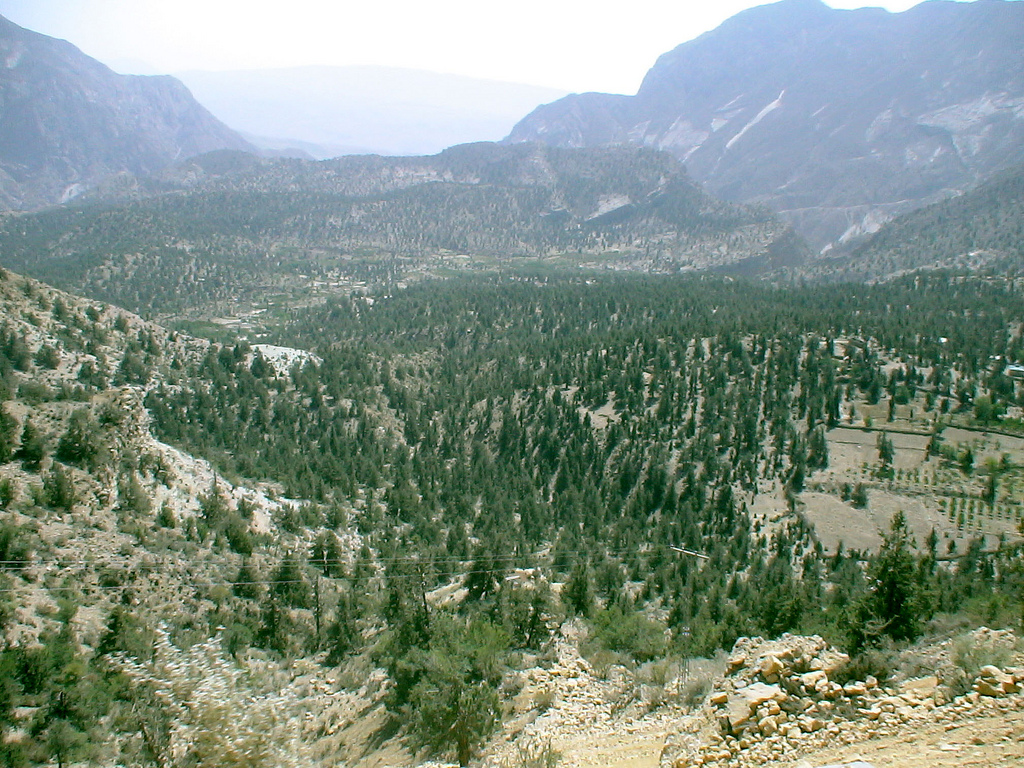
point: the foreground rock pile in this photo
(783, 698)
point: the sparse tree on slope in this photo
(195, 707)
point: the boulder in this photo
(922, 687)
(771, 668)
(855, 689)
(995, 682)
(743, 703)
(811, 680)
(737, 662)
(768, 725)
(757, 694)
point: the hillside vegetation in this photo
(445, 481)
(981, 230)
(228, 231)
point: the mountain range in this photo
(417, 468)
(229, 225)
(836, 119)
(980, 230)
(69, 122)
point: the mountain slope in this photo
(465, 448)
(70, 122)
(836, 119)
(332, 111)
(981, 229)
(227, 227)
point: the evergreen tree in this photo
(578, 594)
(886, 451)
(288, 583)
(891, 607)
(342, 635)
(59, 488)
(32, 450)
(8, 436)
(247, 583)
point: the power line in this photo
(145, 569)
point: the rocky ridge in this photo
(69, 122)
(779, 701)
(837, 119)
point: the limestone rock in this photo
(995, 682)
(770, 668)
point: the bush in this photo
(132, 497)
(970, 655)
(533, 754)
(630, 633)
(59, 489)
(82, 443)
(544, 699)
(238, 726)
(694, 690)
(8, 492)
(877, 662)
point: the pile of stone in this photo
(781, 687)
(994, 681)
(781, 698)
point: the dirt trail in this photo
(991, 740)
(987, 740)
(625, 750)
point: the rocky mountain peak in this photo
(836, 119)
(70, 121)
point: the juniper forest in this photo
(482, 457)
(458, 467)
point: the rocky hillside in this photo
(780, 700)
(836, 119)
(794, 701)
(232, 228)
(981, 230)
(466, 525)
(69, 122)
(108, 534)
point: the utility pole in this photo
(316, 593)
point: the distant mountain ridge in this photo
(981, 230)
(331, 111)
(836, 119)
(227, 225)
(69, 122)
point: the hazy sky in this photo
(575, 45)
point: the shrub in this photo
(877, 662)
(544, 699)
(195, 707)
(533, 754)
(630, 633)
